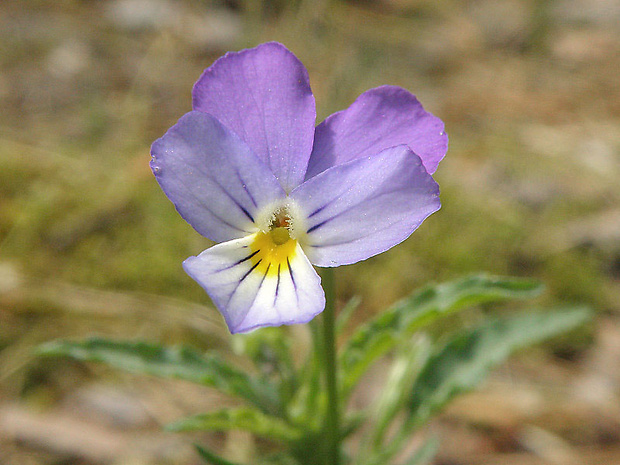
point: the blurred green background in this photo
(529, 93)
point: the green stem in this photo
(332, 419)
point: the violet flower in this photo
(247, 168)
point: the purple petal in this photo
(263, 95)
(216, 183)
(366, 206)
(249, 294)
(380, 118)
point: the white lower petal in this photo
(251, 293)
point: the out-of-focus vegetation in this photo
(528, 90)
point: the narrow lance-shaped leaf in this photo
(346, 312)
(176, 362)
(465, 360)
(278, 458)
(407, 363)
(468, 357)
(211, 458)
(270, 351)
(247, 419)
(309, 398)
(377, 337)
(425, 454)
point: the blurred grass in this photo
(523, 87)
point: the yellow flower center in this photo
(273, 251)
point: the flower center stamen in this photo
(281, 218)
(274, 246)
(273, 251)
(279, 235)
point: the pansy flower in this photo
(248, 169)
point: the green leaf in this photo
(280, 458)
(175, 362)
(247, 419)
(211, 458)
(422, 456)
(425, 454)
(346, 313)
(375, 338)
(307, 406)
(351, 422)
(466, 359)
(407, 363)
(270, 351)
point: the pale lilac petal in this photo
(214, 180)
(263, 95)
(366, 206)
(250, 297)
(380, 118)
